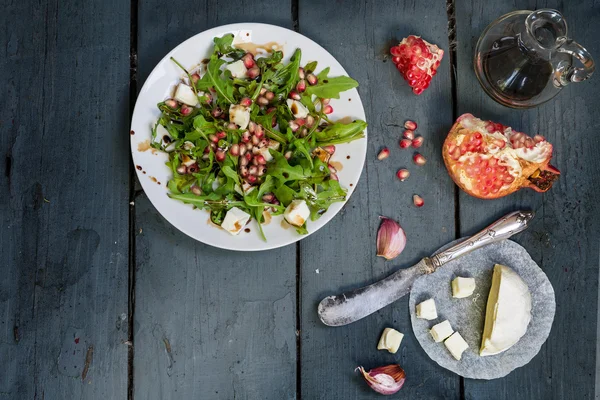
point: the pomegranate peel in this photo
(489, 160)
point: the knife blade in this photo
(356, 304)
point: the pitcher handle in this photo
(576, 74)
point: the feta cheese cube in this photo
(161, 133)
(235, 220)
(426, 310)
(185, 94)
(297, 108)
(266, 154)
(462, 287)
(273, 144)
(245, 189)
(237, 69)
(456, 345)
(390, 340)
(441, 331)
(297, 213)
(239, 115)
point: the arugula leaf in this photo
(223, 45)
(327, 193)
(310, 67)
(224, 87)
(323, 74)
(330, 88)
(187, 73)
(198, 201)
(303, 148)
(288, 75)
(340, 133)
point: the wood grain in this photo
(64, 190)
(564, 236)
(209, 323)
(359, 36)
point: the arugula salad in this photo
(247, 135)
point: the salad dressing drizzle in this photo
(254, 48)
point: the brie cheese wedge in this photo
(508, 311)
(237, 69)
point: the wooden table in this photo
(101, 298)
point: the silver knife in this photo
(356, 304)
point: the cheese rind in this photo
(426, 310)
(390, 340)
(441, 331)
(508, 311)
(462, 287)
(456, 345)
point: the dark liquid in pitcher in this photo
(513, 73)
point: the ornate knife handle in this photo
(504, 228)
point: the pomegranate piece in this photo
(417, 60)
(489, 160)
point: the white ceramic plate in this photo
(154, 174)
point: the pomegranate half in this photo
(489, 160)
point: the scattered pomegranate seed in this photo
(221, 135)
(251, 179)
(419, 159)
(328, 109)
(301, 86)
(171, 104)
(409, 134)
(405, 143)
(260, 159)
(325, 101)
(383, 154)
(195, 78)
(301, 73)
(186, 110)
(248, 60)
(246, 102)
(402, 174)
(418, 201)
(417, 142)
(312, 79)
(294, 95)
(253, 72)
(412, 125)
(220, 155)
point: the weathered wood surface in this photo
(209, 323)
(64, 190)
(563, 239)
(359, 36)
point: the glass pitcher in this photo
(525, 58)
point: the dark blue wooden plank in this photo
(64, 190)
(359, 36)
(209, 323)
(564, 236)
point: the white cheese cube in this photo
(185, 94)
(273, 144)
(161, 132)
(235, 220)
(297, 108)
(426, 310)
(239, 115)
(245, 189)
(456, 345)
(297, 213)
(266, 154)
(390, 340)
(441, 331)
(187, 160)
(237, 69)
(462, 287)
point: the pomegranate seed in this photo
(303, 132)
(186, 110)
(312, 79)
(253, 170)
(418, 201)
(310, 120)
(220, 155)
(539, 138)
(255, 140)
(259, 133)
(333, 177)
(402, 174)
(213, 138)
(412, 125)
(301, 86)
(328, 109)
(196, 190)
(181, 170)
(252, 126)
(195, 78)
(248, 60)
(263, 143)
(246, 102)
(243, 162)
(208, 97)
(245, 136)
(269, 197)
(325, 101)
(383, 154)
(332, 169)
(269, 95)
(231, 126)
(255, 160)
(408, 134)
(417, 142)
(260, 159)
(405, 143)
(330, 149)
(253, 73)
(192, 168)
(251, 179)
(293, 126)
(248, 156)
(216, 112)
(221, 135)
(235, 150)
(244, 170)
(262, 101)
(419, 159)
(300, 121)
(288, 155)
(243, 149)
(171, 104)
(294, 95)
(301, 73)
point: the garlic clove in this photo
(390, 239)
(385, 380)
